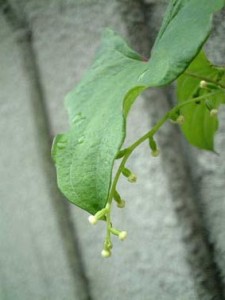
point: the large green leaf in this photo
(98, 106)
(199, 126)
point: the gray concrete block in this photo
(33, 261)
(210, 173)
(210, 181)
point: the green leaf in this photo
(199, 127)
(98, 106)
(84, 156)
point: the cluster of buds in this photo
(102, 214)
(152, 144)
(107, 249)
(93, 219)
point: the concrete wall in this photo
(174, 214)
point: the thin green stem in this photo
(204, 78)
(128, 151)
(108, 227)
(146, 136)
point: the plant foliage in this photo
(199, 126)
(98, 106)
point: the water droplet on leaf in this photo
(78, 118)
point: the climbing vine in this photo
(99, 105)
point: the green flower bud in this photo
(211, 107)
(180, 120)
(121, 153)
(174, 116)
(155, 153)
(209, 104)
(131, 177)
(121, 204)
(152, 144)
(117, 198)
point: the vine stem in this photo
(146, 136)
(127, 152)
(205, 78)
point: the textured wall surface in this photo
(175, 214)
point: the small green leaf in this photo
(199, 126)
(98, 107)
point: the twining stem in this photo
(148, 135)
(205, 79)
(126, 154)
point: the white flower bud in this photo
(122, 235)
(131, 177)
(213, 112)
(92, 219)
(106, 253)
(203, 84)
